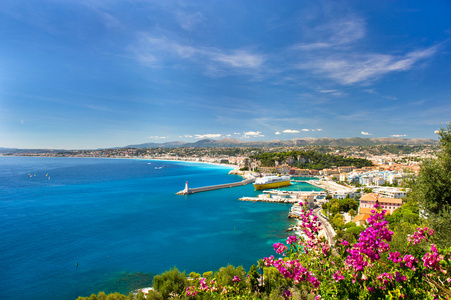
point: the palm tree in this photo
(260, 265)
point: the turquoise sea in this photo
(70, 227)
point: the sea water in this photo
(70, 227)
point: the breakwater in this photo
(270, 199)
(188, 190)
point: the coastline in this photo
(190, 161)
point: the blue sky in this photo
(88, 74)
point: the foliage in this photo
(207, 274)
(194, 275)
(366, 270)
(309, 160)
(170, 282)
(226, 275)
(112, 296)
(253, 277)
(431, 189)
(355, 230)
(335, 206)
(338, 221)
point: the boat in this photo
(269, 182)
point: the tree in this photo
(338, 221)
(207, 274)
(431, 190)
(172, 281)
(225, 275)
(253, 278)
(194, 275)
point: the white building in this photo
(390, 192)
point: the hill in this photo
(229, 142)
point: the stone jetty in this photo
(189, 190)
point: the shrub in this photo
(170, 282)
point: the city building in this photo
(389, 204)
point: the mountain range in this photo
(229, 142)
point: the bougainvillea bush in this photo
(367, 269)
(364, 270)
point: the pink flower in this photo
(395, 257)
(203, 285)
(191, 291)
(419, 235)
(286, 294)
(432, 260)
(291, 239)
(279, 248)
(344, 243)
(269, 261)
(409, 261)
(400, 278)
(385, 277)
(338, 276)
(236, 279)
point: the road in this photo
(330, 232)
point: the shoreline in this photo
(233, 167)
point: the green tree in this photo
(225, 275)
(273, 280)
(207, 274)
(355, 230)
(253, 278)
(170, 282)
(431, 190)
(194, 275)
(338, 221)
(334, 208)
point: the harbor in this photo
(311, 198)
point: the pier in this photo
(188, 190)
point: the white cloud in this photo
(390, 97)
(252, 134)
(398, 135)
(332, 92)
(319, 129)
(154, 50)
(305, 129)
(278, 133)
(371, 91)
(352, 68)
(365, 133)
(239, 58)
(335, 33)
(189, 21)
(157, 137)
(188, 136)
(208, 136)
(290, 131)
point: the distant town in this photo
(390, 164)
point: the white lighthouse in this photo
(186, 190)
